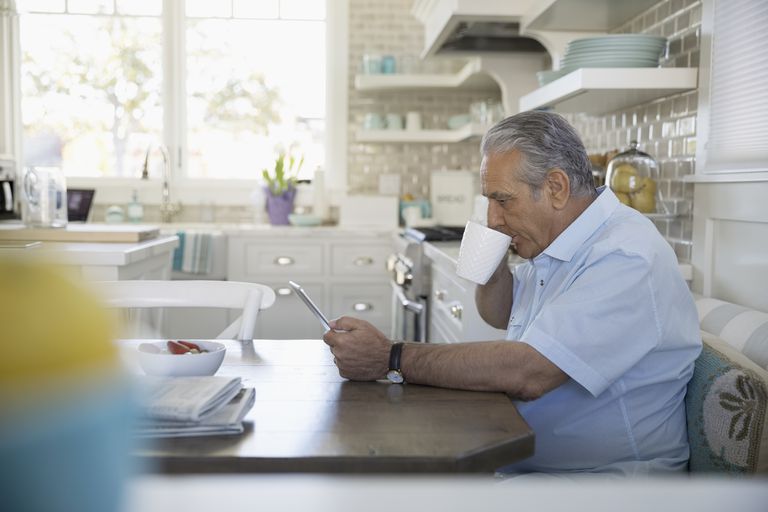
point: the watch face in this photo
(395, 376)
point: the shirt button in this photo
(541, 282)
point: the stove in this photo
(411, 278)
(434, 233)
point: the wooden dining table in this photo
(308, 419)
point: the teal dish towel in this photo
(178, 253)
(197, 254)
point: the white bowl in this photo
(155, 359)
(304, 219)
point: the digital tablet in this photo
(311, 305)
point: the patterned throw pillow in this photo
(727, 408)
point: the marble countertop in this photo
(332, 231)
(104, 253)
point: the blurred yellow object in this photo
(624, 198)
(52, 327)
(624, 179)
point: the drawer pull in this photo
(362, 306)
(362, 261)
(284, 261)
(456, 310)
(283, 292)
(440, 295)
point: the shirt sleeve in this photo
(602, 324)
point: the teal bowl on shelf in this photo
(304, 219)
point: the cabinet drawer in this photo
(450, 299)
(359, 260)
(269, 260)
(289, 318)
(370, 302)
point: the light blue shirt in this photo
(606, 303)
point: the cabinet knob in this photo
(284, 261)
(362, 261)
(362, 306)
(283, 292)
(456, 310)
(440, 295)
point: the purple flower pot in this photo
(279, 207)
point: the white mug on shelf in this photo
(413, 121)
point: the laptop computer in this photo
(79, 201)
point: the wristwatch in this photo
(395, 375)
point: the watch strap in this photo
(394, 356)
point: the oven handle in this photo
(409, 305)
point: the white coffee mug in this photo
(413, 121)
(482, 249)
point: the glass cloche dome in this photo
(634, 177)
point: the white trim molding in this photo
(10, 88)
(336, 96)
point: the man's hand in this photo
(360, 350)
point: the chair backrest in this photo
(248, 297)
(727, 411)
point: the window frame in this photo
(223, 192)
(704, 174)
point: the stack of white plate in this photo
(614, 51)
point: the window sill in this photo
(727, 177)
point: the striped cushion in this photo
(744, 329)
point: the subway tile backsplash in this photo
(664, 128)
(388, 28)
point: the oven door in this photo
(409, 317)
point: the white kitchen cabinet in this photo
(371, 302)
(356, 259)
(342, 270)
(289, 318)
(453, 316)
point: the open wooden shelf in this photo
(435, 136)
(601, 90)
(470, 76)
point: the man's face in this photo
(512, 208)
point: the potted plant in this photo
(280, 187)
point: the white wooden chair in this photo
(249, 297)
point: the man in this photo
(602, 332)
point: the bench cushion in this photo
(744, 329)
(727, 408)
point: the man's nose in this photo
(495, 217)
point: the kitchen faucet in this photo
(167, 208)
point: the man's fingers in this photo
(348, 323)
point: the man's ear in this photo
(558, 187)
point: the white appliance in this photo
(368, 211)
(452, 194)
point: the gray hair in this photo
(545, 141)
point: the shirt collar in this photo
(567, 243)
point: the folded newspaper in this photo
(193, 406)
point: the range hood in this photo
(476, 26)
(488, 36)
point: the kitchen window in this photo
(223, 84)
